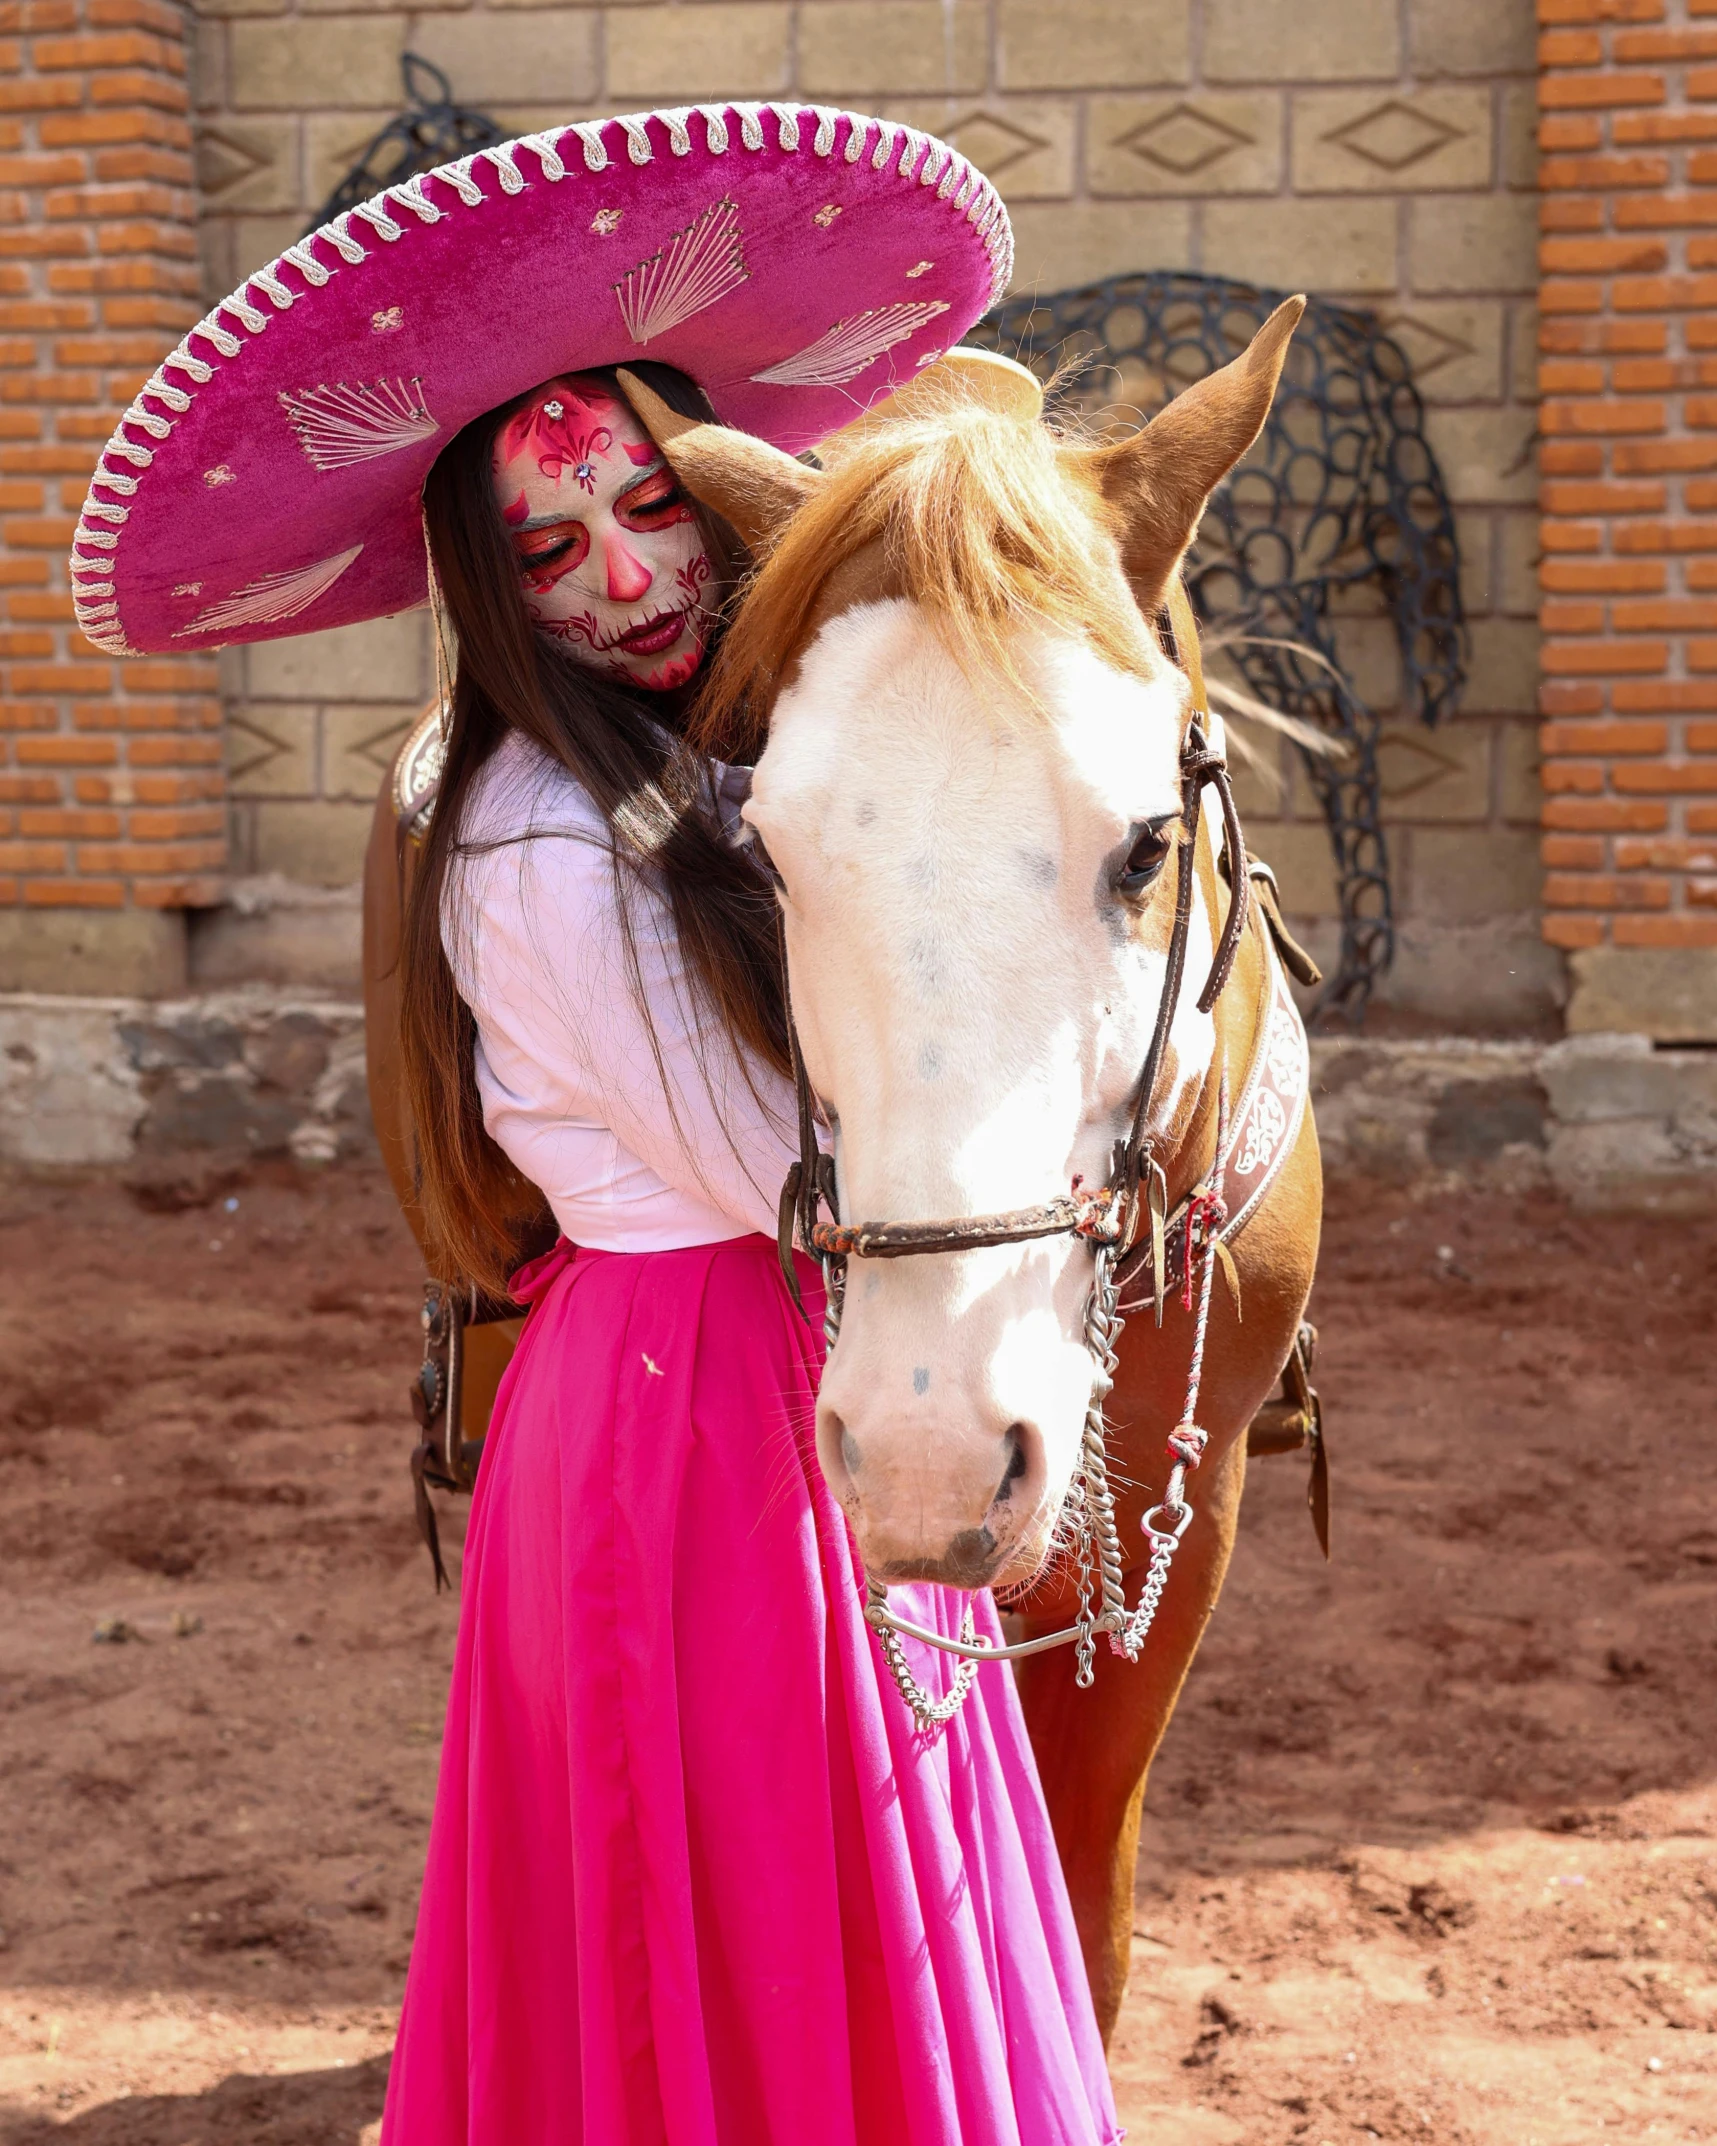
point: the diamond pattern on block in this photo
(224, 164)
(381, 748)
(1394, 136)
(993, 143)
(1410, 766)
(1183, 140)
(1427, 348)
(252, 750)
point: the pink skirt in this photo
(694, 1879)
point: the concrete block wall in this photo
(1376, 150)
(312, 728)
(185, 1096)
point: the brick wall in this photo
(1375, 149)
(1629, 376)
(111, 786)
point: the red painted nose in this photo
(628, 576)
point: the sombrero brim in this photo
(799, 263)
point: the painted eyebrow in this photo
(559, 521)
(644, 475)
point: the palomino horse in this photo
(976, 780)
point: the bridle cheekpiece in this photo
(1112, 1218)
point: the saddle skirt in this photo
(415, 781)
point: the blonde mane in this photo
(991, 523)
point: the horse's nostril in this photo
(849, 1451)
(1015, 1443)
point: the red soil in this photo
(1431, 1852)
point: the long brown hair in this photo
(623, 746)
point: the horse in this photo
(1042, 1012)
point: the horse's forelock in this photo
(989, 522)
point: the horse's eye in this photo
(1152, 844)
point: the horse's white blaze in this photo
(975, 1002)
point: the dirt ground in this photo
(1431, 1852)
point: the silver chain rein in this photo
(1091, 1504)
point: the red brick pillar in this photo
(1628, 101)
(111, 792)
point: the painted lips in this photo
(653, 635)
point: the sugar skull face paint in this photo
(611, 556)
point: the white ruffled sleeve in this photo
(539, 952)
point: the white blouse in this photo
(638, 1146)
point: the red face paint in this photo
(612, 562)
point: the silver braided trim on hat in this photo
(351, 238)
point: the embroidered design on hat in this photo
(504, 200)
(275, 596)
(339, 425)
(697, 266)
(842, 352)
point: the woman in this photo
(692, 1878)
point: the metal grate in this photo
(431, 130)
(1341, 492)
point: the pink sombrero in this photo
(799, 263)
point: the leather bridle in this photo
(1109, 1221)
(1109, 1214)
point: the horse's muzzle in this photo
(970, 1561)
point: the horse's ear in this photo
(1159, 480)
(743, 479)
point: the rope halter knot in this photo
(1206, 1211)
(1186, 1444)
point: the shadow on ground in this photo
(316, 2108)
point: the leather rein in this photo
(1109, 1215)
